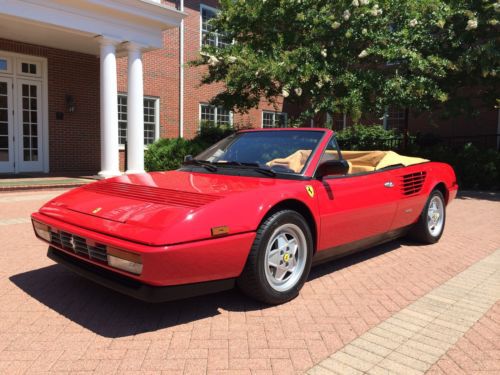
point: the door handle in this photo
(389, 184)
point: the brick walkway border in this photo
(412, 340)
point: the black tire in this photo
(421, 231)
(253, 280)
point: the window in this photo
(151, 123)
(274, 119)
(28, 68)
(395, 118)
(331, 151)
(3, 65)
(215, 115)
(208, 35)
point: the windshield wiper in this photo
(254, 166)
(205, 164)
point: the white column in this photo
(135, 107)
(109, 109)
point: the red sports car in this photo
(257, 209)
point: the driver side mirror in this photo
(332, 168)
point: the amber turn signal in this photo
(220, 231)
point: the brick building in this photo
(80, 79)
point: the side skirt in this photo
(356, 246)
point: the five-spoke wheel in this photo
(430, 225)
(280, 258)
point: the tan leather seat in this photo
(295, 161)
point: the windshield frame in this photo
(278, 174)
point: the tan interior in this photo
(359, 161)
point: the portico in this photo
(105, 29)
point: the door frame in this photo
(14, 73)
(10, 125)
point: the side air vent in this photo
(412, 183)
(152, 194)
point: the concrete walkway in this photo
(415, 338)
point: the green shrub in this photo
(168, 154)
(475, 168)
(374, 137)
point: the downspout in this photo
(181, 73)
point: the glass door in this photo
(29, 126)
(6, 126)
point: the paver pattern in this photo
(414, 338)
(54, 321)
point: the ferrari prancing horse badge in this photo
(310, 190)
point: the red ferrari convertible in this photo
(257, 209)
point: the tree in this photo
(354, 56)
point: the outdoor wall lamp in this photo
(70, 103)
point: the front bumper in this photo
(134, 288)
(202, 261)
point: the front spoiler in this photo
(134, 288)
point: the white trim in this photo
(138, 21)
(21, 61)
(181, 73)
(42, 79)
(9, 63)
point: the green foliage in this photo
(475, 168)
(359, 137)
(356, 56)
(168, 154)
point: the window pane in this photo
(3, 64)
(122, 119)
(268, 120)
(207, 113)
(223, 116)
(396, 118)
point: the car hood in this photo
(165, 208)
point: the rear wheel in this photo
(279, 260)
(430, 225)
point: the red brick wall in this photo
(161, 78)
(74, 142)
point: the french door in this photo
(7, 154)
(28, 132)
(20, 125)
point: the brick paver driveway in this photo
(54, 321)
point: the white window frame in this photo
(38, 65)
(121, 146)
(212, 9)
(216, 108)
(9, 64)
(274, 113)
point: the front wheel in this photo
(280, 259)
(430, 225)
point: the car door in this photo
(355, 207)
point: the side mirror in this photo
(332, 168)
(188, 158)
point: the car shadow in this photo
(111, 314)
(493, 196)
(359, 257)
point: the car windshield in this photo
(279, 151)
